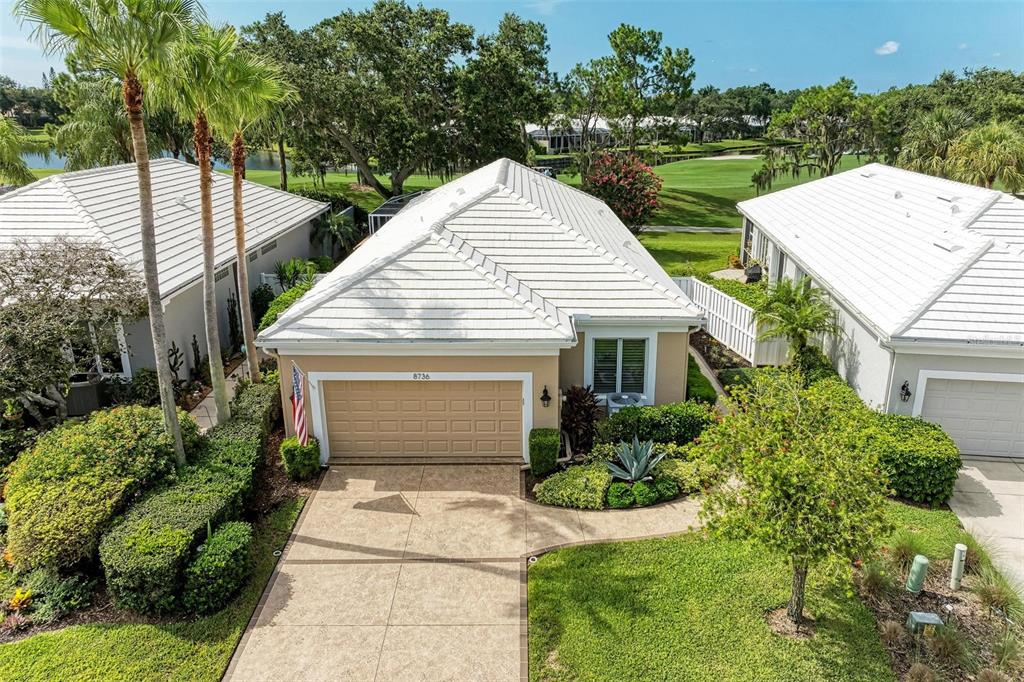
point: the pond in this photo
(258, 160)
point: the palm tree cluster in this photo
(164, 51)
(798, 312)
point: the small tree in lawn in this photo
(804, 487)
(627, 185)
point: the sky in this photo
(787, 44)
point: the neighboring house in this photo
(390, 208)
(928, 278)
(449, 333)
(102, 205)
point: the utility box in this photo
(923, 623)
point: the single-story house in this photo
(927, 276)
(450, 332)
(102, 204)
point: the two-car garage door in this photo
(435, 419)
(983, 417)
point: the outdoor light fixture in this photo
(545, 397)
(905, 391)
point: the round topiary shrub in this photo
(666, 488)
(301, 462)
(919, 458)
(219, 569)
(644, 494)
(620, 495)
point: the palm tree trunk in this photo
(237, 170)
(283, 161)
(133, 97)
(795, 609)
(204, 144)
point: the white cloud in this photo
(545, 7)
(962, 46)
(888, 47)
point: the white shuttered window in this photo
(620, 365)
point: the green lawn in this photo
(691, 608)
(691, 253)
(195, 650)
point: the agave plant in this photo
(636, 461)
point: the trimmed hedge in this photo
(688, 477)
(678, 423)
(644, 494)
(301, 462)
(920, 459)
(282, 303)
(606, 452)
(620, 495)
(260, 403)
(749, 294)
(144, 556)
(544, 445)
(64, 491)
(220, 569)
(579, 487)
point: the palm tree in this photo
(13, 141)
(130, 40)
(926, 145)
(254, 88)
(796, 311)
(988, 154)
(196, 86)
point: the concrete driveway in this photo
(417, 573)
(989, 499)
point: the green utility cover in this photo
(915, 581)
(920, 622)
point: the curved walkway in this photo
(418, 573)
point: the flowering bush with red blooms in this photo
(627, 185)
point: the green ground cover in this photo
(692, 608)
(683, 253)
(189, 650)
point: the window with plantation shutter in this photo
(620, 365)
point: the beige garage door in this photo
(983, 417)
(424, 418)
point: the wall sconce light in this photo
(545, 397)
(905, 391)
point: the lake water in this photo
(257, 160)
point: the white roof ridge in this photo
(920, 309)
(516, 290)
(87, 218)
(599, 250)
(983, 209)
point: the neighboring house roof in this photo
(918, 257)
(501, 254)
(102, 204)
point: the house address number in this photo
(420, 376)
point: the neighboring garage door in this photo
(450, 419)
(983, 417)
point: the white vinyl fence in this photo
(732, 324)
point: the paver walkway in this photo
(417, 573)
(989, 499)
(203, 412)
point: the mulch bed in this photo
(960, 609)
(717, 356)
(272, 484)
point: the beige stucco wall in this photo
(570, 363)
(543, 367)
(670, 372)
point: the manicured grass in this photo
(697, 385)
(692, 608)
(196, 650)
(682, 253)
(346, 184)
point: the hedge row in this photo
(145, 556)
(544, 444)
(63, 493)
(282, 303)
(677, 423)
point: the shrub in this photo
(543, 451)
(904, 546)
(990, 675)
(145, 388)
(283, 302)
(13, 441)
(260, 300)
(580, 414)
(920, 460)
(749, 294)
(666, 488)
(689, 477)
(301, 462)
(736, 377)
(698, 387)
(892, 634)
(54, 596)
(678, 423)
(627, 185)
(877, 580)
(260, 403)
(219, 569)
(997, 593)
(947, 645)
(580, 487)
(814, 365)
(324, 264)
(919, 672)
(605, 452)
(620, 495)
(644, 494)
(1007, 650)
(63, 493)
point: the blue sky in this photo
(788, 44)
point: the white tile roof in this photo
(501, 254)
(919, 257)
(102, 204)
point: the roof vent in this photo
(947, 244)
(461, 190)
(897, 195)
(867, 174)
(954, 209)
(947, 197)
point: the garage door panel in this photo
(424, 418)
(983, 417)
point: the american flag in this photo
(298, 407)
